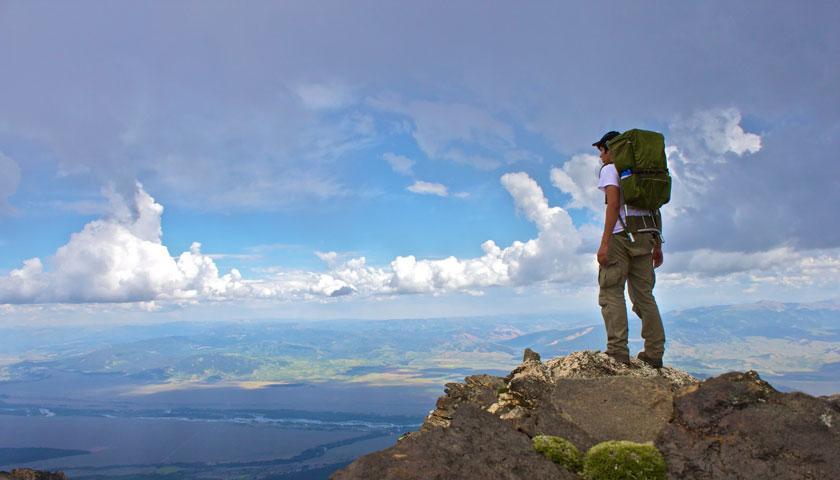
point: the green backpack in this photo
(639, 157)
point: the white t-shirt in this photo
(609, 176)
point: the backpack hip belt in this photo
(647, 223)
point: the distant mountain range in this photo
(800, 340)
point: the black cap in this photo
(606, 138)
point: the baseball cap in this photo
(606, 138)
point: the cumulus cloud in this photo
(712, 202)
(329, 258)
(399, 163)
(700, 144)
(549, 257)
(720, 132)
(697, 147)
(119, 258)
(577, 177)
(428, 188)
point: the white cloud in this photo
(327, 257)
(119, 258)
(428, 188)
(549, 257)
(399, 163)
(781, 266)
(9, 181)
(709, 263)
(699, 145)
(578, 177)
(721, 132)
(24, 284)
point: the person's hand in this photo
(602, 254)
(657, 257)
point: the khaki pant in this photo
(631, 263)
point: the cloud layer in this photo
(120, 257)
(253, 110)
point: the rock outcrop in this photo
(29, 474)
(732, 426)
(738, 426)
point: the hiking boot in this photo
(620, 358)
(653, 362)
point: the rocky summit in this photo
(734, 426)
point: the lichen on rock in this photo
(624, 460)
(560, 451)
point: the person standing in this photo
(627, 257)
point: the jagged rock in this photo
(835, 399)
(476, 444)
(738, 426)
(732, 426)
(479, 390)
(530, 356)
(29, 474)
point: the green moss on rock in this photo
(559, 450)
(623, 460)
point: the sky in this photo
(316, 160)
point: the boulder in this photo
(738, 426)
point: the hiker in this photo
(629, 255)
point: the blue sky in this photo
(353, 158)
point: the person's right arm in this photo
(658, 258)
